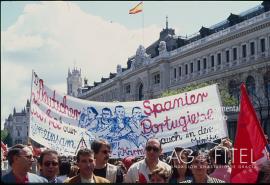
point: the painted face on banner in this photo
(106, 115)
(120, 112)
(137, 113)
(90, 114)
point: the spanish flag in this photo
(138, 8)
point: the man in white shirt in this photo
(139, 171)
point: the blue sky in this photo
(50, 37)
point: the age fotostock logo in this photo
(186, 156)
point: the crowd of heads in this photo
(185, 163)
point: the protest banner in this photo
(59, 121)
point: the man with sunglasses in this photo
(20, 158)
(139, 171)
(49, 166)
(102, 150)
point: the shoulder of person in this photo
(111, 166)
(75, 179)
(36, 178)
(9, 177)
(99, 179)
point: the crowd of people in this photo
(95, 166)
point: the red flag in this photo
(249, 143)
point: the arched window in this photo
(266, 80)
(250, 83)
(234, 89)
(141, 92)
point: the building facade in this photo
(233, 51)
(17, 125)
(74, 82)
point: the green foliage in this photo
(6, 138)
(226, 98)
(4, 134)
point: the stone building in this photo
(17, 125)
(233, 51)
(74, 82)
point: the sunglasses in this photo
(106, 151)
(48, 163)
(149, 148)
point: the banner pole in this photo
(30, 101)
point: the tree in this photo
(7, 138)
(4, 134)
(226, 98)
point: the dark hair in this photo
(174, 169)
(107, 109)
(13, 151)
(135, 108)
(64, 167)
(97, 144)
(47, 152)
(118, 106)
(84, 151)
(199, 153)
(93, 110)
(219, 155)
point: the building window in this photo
(186, 66)
(252, 48)
(180, 71)
(244, 51)
(228, 56)
(219, 58)
(234, 89)
(191, 67)
(174, 73)
(250, 83)
(212, 61)
(204, 63)
(199, 65)
(266, 79)
(157, 78)
(234, 53)
(262, 42)
(128, 89)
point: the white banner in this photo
(59, 121)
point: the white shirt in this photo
(141, 167)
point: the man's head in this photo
(119, 111)
(159, 175)
(102, 150)
(153, 149)
(106, 114)
(137, 113)
(49, 164)
(20, 157)
(86, 162)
